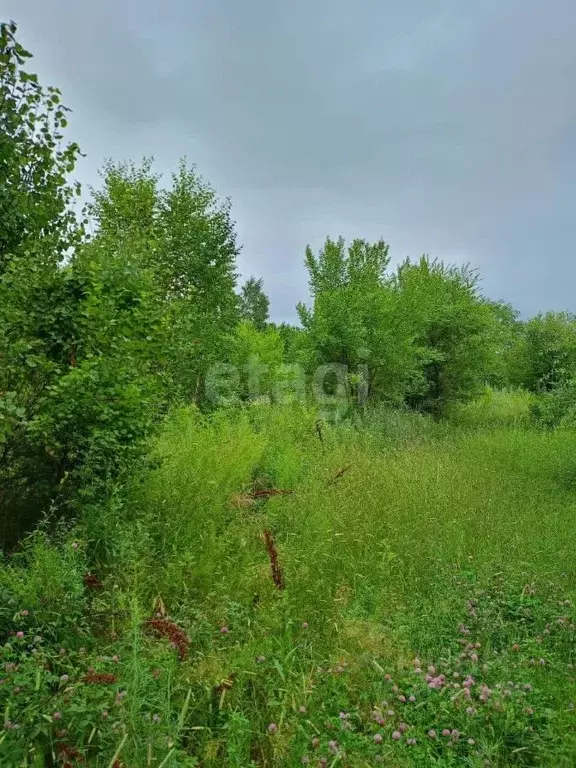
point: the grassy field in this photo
(273, 591)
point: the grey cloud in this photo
(447, 128)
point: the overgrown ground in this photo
(408, 600)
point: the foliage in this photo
(34, 198)
(453, 330)
(413, 604)
(545, 354)
(186, 237)
(254, 304)
(95, 348)
(258, 357)
(355, 320)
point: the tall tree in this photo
(185, 235)
(254, 304)
(453, 328)
(354, 319)
(34, 197)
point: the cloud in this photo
(446, 128)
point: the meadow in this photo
(227, 542)
(274, 591)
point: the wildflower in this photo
(527, 687)
(172, 632)
(411, 742)
(302, 709)
(116, 659)
(412, 698)
(104, 715)
(468, 682)
(446, 732)
(388, 677)
(344, 716)
(396, 735)
(57, 716)
(323, 762)
(315, 742)
(75, 545)
(431, 670)
(471, 742)
(470, 711)
(390, 713)
(474, 657)
(155, 719)
(304, 625)
(455, 734)
(402, 727)
(155, 674)
(24, 613)
(19, 635)
(402, 698)
(542, 662)
(456, 675)
(261, 659)
(416, 662)
(272, 728)
(432, 733)
(8, 725)
(417, 671)
(378, 738)
(305, 760)
(485, 692)
(224, 630)
(333, 746)
(515, 647)
(104, 678)
(395, 689)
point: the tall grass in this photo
(390, 534)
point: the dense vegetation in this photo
(232, 543)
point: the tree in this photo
(185, 235)
(254, 304)
(35, 200)
(354, 319)
(453, 331)
(544, 357)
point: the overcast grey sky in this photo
(446, 127)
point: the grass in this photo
(399, 545)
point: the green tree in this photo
(354, 319)
(453, 331)
(544, 356)
(185, 235)
(254, 304)
(35, 216)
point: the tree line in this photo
(111, 317)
